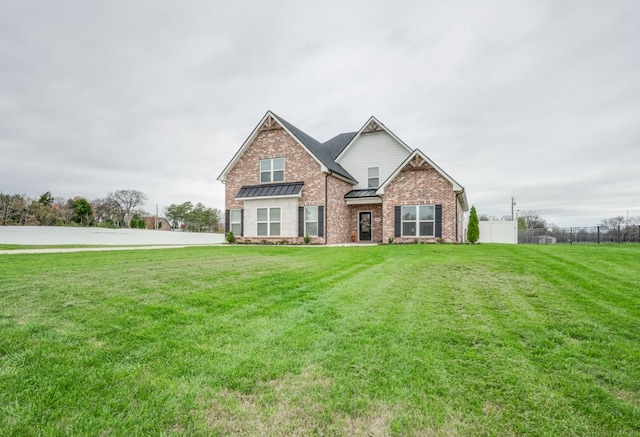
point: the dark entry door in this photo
(364, 220)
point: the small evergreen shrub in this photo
(473, 231)
(230, 237)
(307, 239)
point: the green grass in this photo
(388, 340)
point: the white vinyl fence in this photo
(57, 235)
(494, 231)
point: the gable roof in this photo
(316, 149)
(371, 126)
(457, 188)
(337, 144)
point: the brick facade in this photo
(376, 221)
(420, 186)
(337, 211)
(418, 183)
(299, 165)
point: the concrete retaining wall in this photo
(54, 235)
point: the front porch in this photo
(365, 223)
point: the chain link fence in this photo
(581, 235)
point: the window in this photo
(268, 222)
(373, 174)
(311, 221)
(418, 221)
(236, 222)
(271, 170)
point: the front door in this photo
(364, 224)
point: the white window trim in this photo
(268, 222)
(232, 222)
(369, 178)
(417, 221)
(271, 170)
(316, 221)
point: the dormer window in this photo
(271, 170)
(373, 176)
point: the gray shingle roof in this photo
(321, 151)
(337, 144)
(270, 190)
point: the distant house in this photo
(364, 186)
(163, 223)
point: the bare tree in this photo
(63, 209)
(613, 222)
(531, 220)
(128, 202)
(14, 209)
(106, 210)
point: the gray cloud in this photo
(533, 99)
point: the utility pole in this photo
(156, 225)
(513, 204)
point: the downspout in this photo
(326, 207)
(457, 223)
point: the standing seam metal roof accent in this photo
(265, 190)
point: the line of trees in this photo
(533, 220)
(194, 218)
(118, 209)
(115, 210)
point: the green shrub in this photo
(307, 239)
(230, 237)
(473, 231)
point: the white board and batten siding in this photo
(288, 216)
(377, 149)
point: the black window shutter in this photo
(321, 221)
(227, 220)
(301, 221)
(241, 222)
(398, 221)
(438, 221)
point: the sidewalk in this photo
(96, 249)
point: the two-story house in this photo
(364, 186)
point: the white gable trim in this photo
(457, 188)
(223, 176)
(363, 128)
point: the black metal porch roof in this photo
(356, 194)
(268, 190)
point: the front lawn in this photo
(388, 340)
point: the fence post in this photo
(598, 234)
(618, 234)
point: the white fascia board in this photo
(363, 201)
(462, 196)
(275, 117)
(372, 118)
(456, 187)
(223, 176)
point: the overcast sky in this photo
(539, 100)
